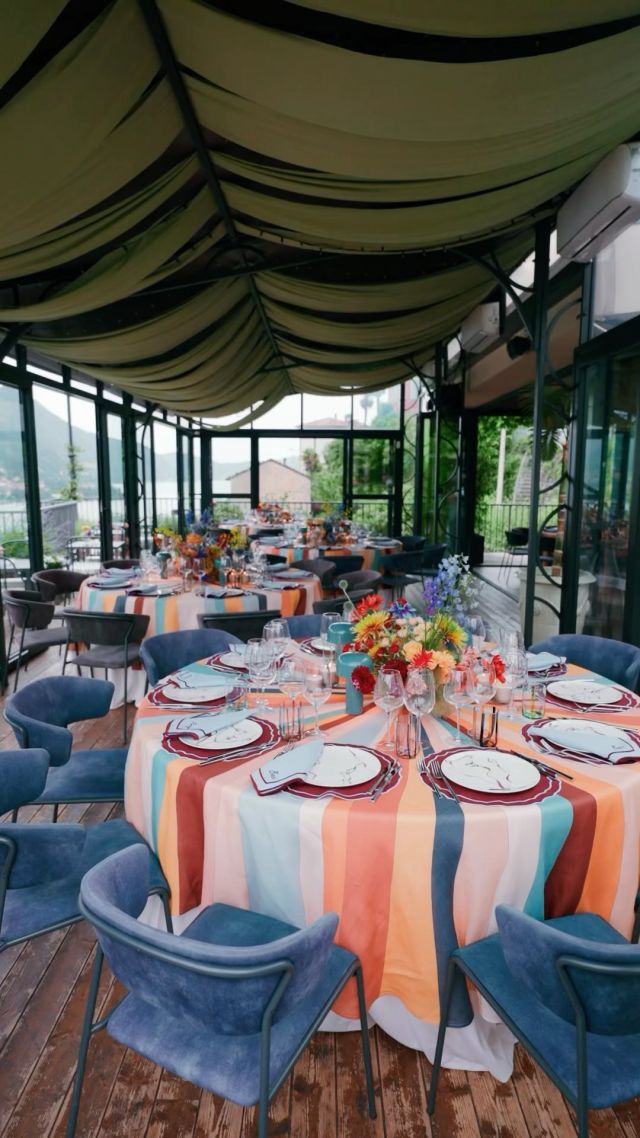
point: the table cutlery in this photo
(423, 768)
(382, 781)
(437, 771)
(544, 768)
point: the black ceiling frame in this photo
(169, 64)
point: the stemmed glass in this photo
(482, 685)
(317, 686)
(326, 620)
(388, 695)
(290, 680)
(456, 692)
(277, 635)
(419, 700)
(477, 630)
(516, 672)
(261, 665)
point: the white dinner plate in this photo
(584, 737)
(492, 771)
(224, 738)
(341, 765)
(232, 660)
(322, 645)
(196, 695)
(584, 692)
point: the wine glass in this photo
(419, 700)
(476, 628)
(290, 680)
(388, 695)
(512, 640)
(456, 692)
(326, 620)
(276, 633)
(515, 674)
(482, 686)
(261, 665)
(316, 688)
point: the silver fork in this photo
(424, 768)
(437, 772)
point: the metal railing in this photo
(493, 519)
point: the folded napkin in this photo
(109, 582)
(215, 591)
(199, 726)
(291, 573)
(188, 679)
(587, 742)
(542, 661)
(278, 585)
(287, 766)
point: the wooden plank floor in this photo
(42, 990)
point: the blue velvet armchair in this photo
(169, 651)
(569, 990)
(40, 713)
(614, 659)
(41, 866)
(230, 1004)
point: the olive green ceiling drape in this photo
(362, 163)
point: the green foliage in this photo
(71, 492)
(14, 542)
(311, 460)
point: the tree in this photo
(311, 461)
(71, 492)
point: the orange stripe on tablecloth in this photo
(168, 830)
(410, 934)
(367, 836)
(601, 884)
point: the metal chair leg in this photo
(55, 811)
(366, 1049)
(87, 1030)
(124, 727)
(444, 1016)
(19, 660)
(5, 674)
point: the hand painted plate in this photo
(195, 694)
(490, 771)
(211, 738)
(341, 765)
(584, 692)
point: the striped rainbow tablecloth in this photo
(411, 876)
(370, 554)
(180, 610)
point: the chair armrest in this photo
(44, 853)
(89, 699)
(32, 733)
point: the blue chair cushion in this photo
(613, 1061)
(226, 1064)
(67, 850)
(618, 661)
(88, 776)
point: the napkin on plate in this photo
(215, 591)
(587, 742)
(198, 727)
(278, 585)
(542, 661)
(291, 573)
(287, 766)
(187, 679)
(109, 582)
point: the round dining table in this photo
(412, 871)
(371, 552)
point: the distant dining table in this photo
(371, 552)
(412, 871)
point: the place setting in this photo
(233, 660)
(589, 696)
(194, 689)
(317, 769)
(488, 776)
(225, 735)
(545, 665)
(586, 742)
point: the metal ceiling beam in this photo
(169, 63)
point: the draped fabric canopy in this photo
(213, 205)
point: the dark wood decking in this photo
(42, 990)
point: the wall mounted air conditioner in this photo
(481, 327)
(605, 203)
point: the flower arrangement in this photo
(453, 589)
(398, 638)
(273, 513)
(201, 542)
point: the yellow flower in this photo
(445, 662)
(371, 623)
(411, 649)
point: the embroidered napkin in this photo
(287, 766)
(587, 742)
(542, 661)
(199, 726)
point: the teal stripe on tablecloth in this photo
(159, 765)
(271, 847)
(555, 824)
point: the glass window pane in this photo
(378, 410)
(616, 294)
(326, 412)
(164, 446)
(286, 416)
(83, 464)
(116, 469)
(13, 507)
(283, 475)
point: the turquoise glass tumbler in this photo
(341, 633)
(344, 666)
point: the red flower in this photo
(396, 666)
(498, 664)
(422, 660)
(362, 679)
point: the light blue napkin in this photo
(587, 742)
(199, 726)
(287, 766)
(291, 573)
(542, 661)
(187, 678)
(278, 585)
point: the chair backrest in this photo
(169, 651)
(267, 533)
(347, 563)
(106, 629)
(609, 994)
(41, 711)
(302, 626)
(275, 559)
(363, 579)
(402, 562)
(29, 610)
(242, 625)
(321, 566)
(411, 542)
(23, 775)
(333, 604)
(114, 893)
(122, 563)
(614, 659)
(518, 536)
(432, 556)
(54, 584)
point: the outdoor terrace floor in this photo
(42, 990)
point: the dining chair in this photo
(230, 1004)
(569, 990)
(431, 557)
(301, 627)
(400, 570)
(320, 566)
(42, 865)
(618, 661)
(363, 581)
(57, 586)
(330, 604)
(40, 714)
(122, 563)
(114, 642)
(29, 620)
(275, 559)
(411, 542)
(170, 651)
(347, 563)
(242, 625)
(516, 545)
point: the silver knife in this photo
(384, 781)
